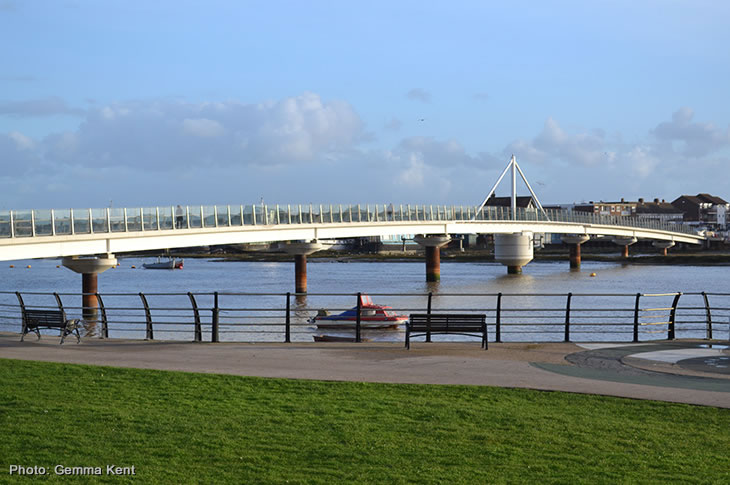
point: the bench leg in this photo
(408, 340)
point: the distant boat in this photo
(171, 263)
(371, 316)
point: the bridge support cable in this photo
(514, 167)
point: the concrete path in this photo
(535, 366)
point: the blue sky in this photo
(158, 103)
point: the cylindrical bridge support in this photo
(433, 245)
(513, 250)
(624, 241)
(89, 288)
(663, 246)
(90, 267)
(433, 263)
(300, 273)
(300, 250)
(574, 241)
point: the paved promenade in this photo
(685, 371)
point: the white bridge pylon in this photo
(514, 168)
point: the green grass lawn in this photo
(197, 428)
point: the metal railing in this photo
(285, 317)
(53, 222)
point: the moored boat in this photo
(372, 316)
(171, 263)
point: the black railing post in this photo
(428, 320)
(636, 318)
(216, 316)
(498, 330)
(287, 335)
(148, 317)
(197, 329)
(358, 316)
(567, 318)
(709, 315)
(104, 321)
(672, 316)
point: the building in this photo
(601, 208)
(661, 211)
(703, 209)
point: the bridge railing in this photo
(51, 222)
(286, 317)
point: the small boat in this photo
(371, 316)
(171, 263)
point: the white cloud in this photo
(696, 139)
(413, 174)
(203, 127)
(642, 161)
(164, 133)
(582, 148)
(18, 154)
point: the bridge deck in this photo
(68, 232)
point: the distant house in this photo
(658, 210)
(621, 208)
(703, 209)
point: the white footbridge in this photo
(88, 239)
(60, 233)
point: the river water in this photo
(401, 285)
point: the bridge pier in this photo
(574, 241)
(89, 269)
(433, 245)
(300, 273)
(663, 246)
(624, 241)
(300, 251)
(513, 250)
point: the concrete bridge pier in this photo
(90, 267)
(433, 245)
(574, 241)
(663, 246)
(300, 251)
(513, 250)
(624, 241)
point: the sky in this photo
(133, 103)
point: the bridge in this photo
(88, 239)
(64, 233)
(305, 229)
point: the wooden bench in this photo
(34, 320)
(470, 324)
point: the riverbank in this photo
(679, 258)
